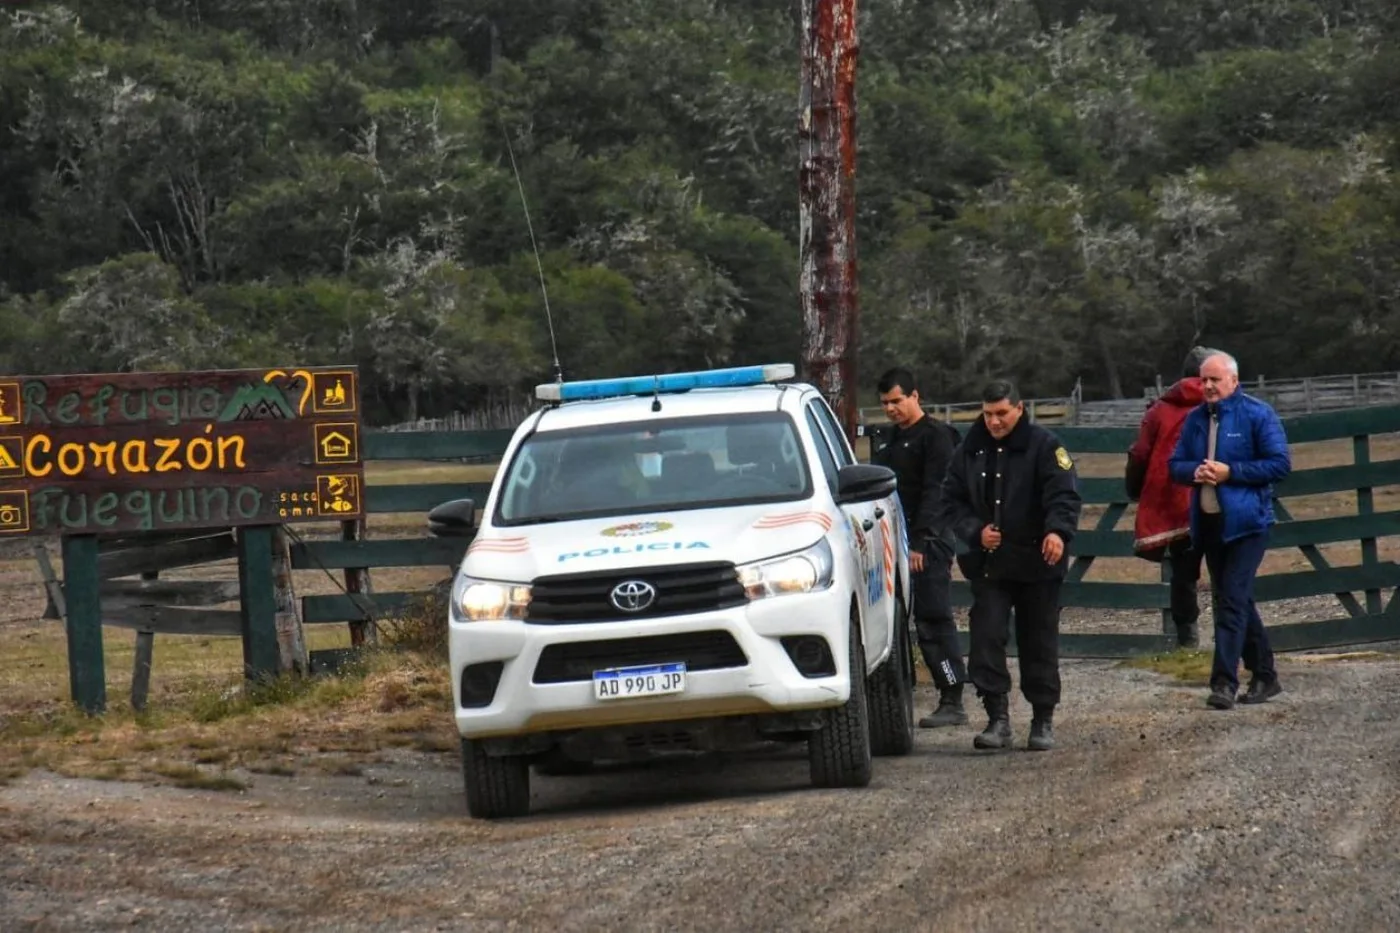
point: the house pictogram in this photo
(337, 443)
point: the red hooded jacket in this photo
(1164, 508)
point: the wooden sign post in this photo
(85, 456)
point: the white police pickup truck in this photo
(678, 563)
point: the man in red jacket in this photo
(1163, 530)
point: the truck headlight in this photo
(800, 572)
(489, 600)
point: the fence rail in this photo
(1321, 393)
(1304, 396)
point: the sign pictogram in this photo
(333, 392)
(11, 457)
(14, 511)
(338, 494)
(337, 443)
(11, 409)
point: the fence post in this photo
(1168, 623)
(291, 639)
(257, 602)
(87, 675)
(1365, 505)
(357, 581)
(1307, 395)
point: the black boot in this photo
(1188, 636)
(1042, 737)
(950, 710)
(998, 731)
(1260, 691)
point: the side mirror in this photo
(864, 482)
(453, 519)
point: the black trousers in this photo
(1185, 562)
(1037, 611)
(933, 621)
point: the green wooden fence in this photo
(1368, 611)
(381, 499)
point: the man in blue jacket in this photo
(1232, 450)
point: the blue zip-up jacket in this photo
(1251, 442)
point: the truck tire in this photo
(496, 787)
(892, 696)
(838, 754)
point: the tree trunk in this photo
(1110, 364)
(826, 185)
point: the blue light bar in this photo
(665, 382)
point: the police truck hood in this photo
(736, 534)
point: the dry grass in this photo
(211, 730)
(1185, 665)
(205, 727)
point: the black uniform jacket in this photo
(919, 456)
(1025, 484)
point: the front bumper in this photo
(763, 679)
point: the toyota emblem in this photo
(633, 595)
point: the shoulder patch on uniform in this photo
(1062, 458)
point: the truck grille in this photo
(700, 651)
(680, 589)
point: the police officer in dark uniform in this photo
(1012, 501)
(918, 452)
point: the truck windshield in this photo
(653, 466)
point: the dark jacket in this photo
(1251, 442)
(1039, 494)
(1164, 507)
(919, 456)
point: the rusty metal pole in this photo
(827, 199)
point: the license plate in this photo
(623, 683)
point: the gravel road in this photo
(1153, 814)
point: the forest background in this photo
(1058, 189)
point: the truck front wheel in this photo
(497, 786)
(838, 754)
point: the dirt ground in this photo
(1154, 813)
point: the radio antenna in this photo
(539, 266)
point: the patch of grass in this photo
(212, 756)
(435, 742)
(1185, 665)
(421, 626)
(341, 767)
(399, 472)
(192, 778)
(212, 725)
(239, 699)
(1369, 655)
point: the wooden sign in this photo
(93, 454)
